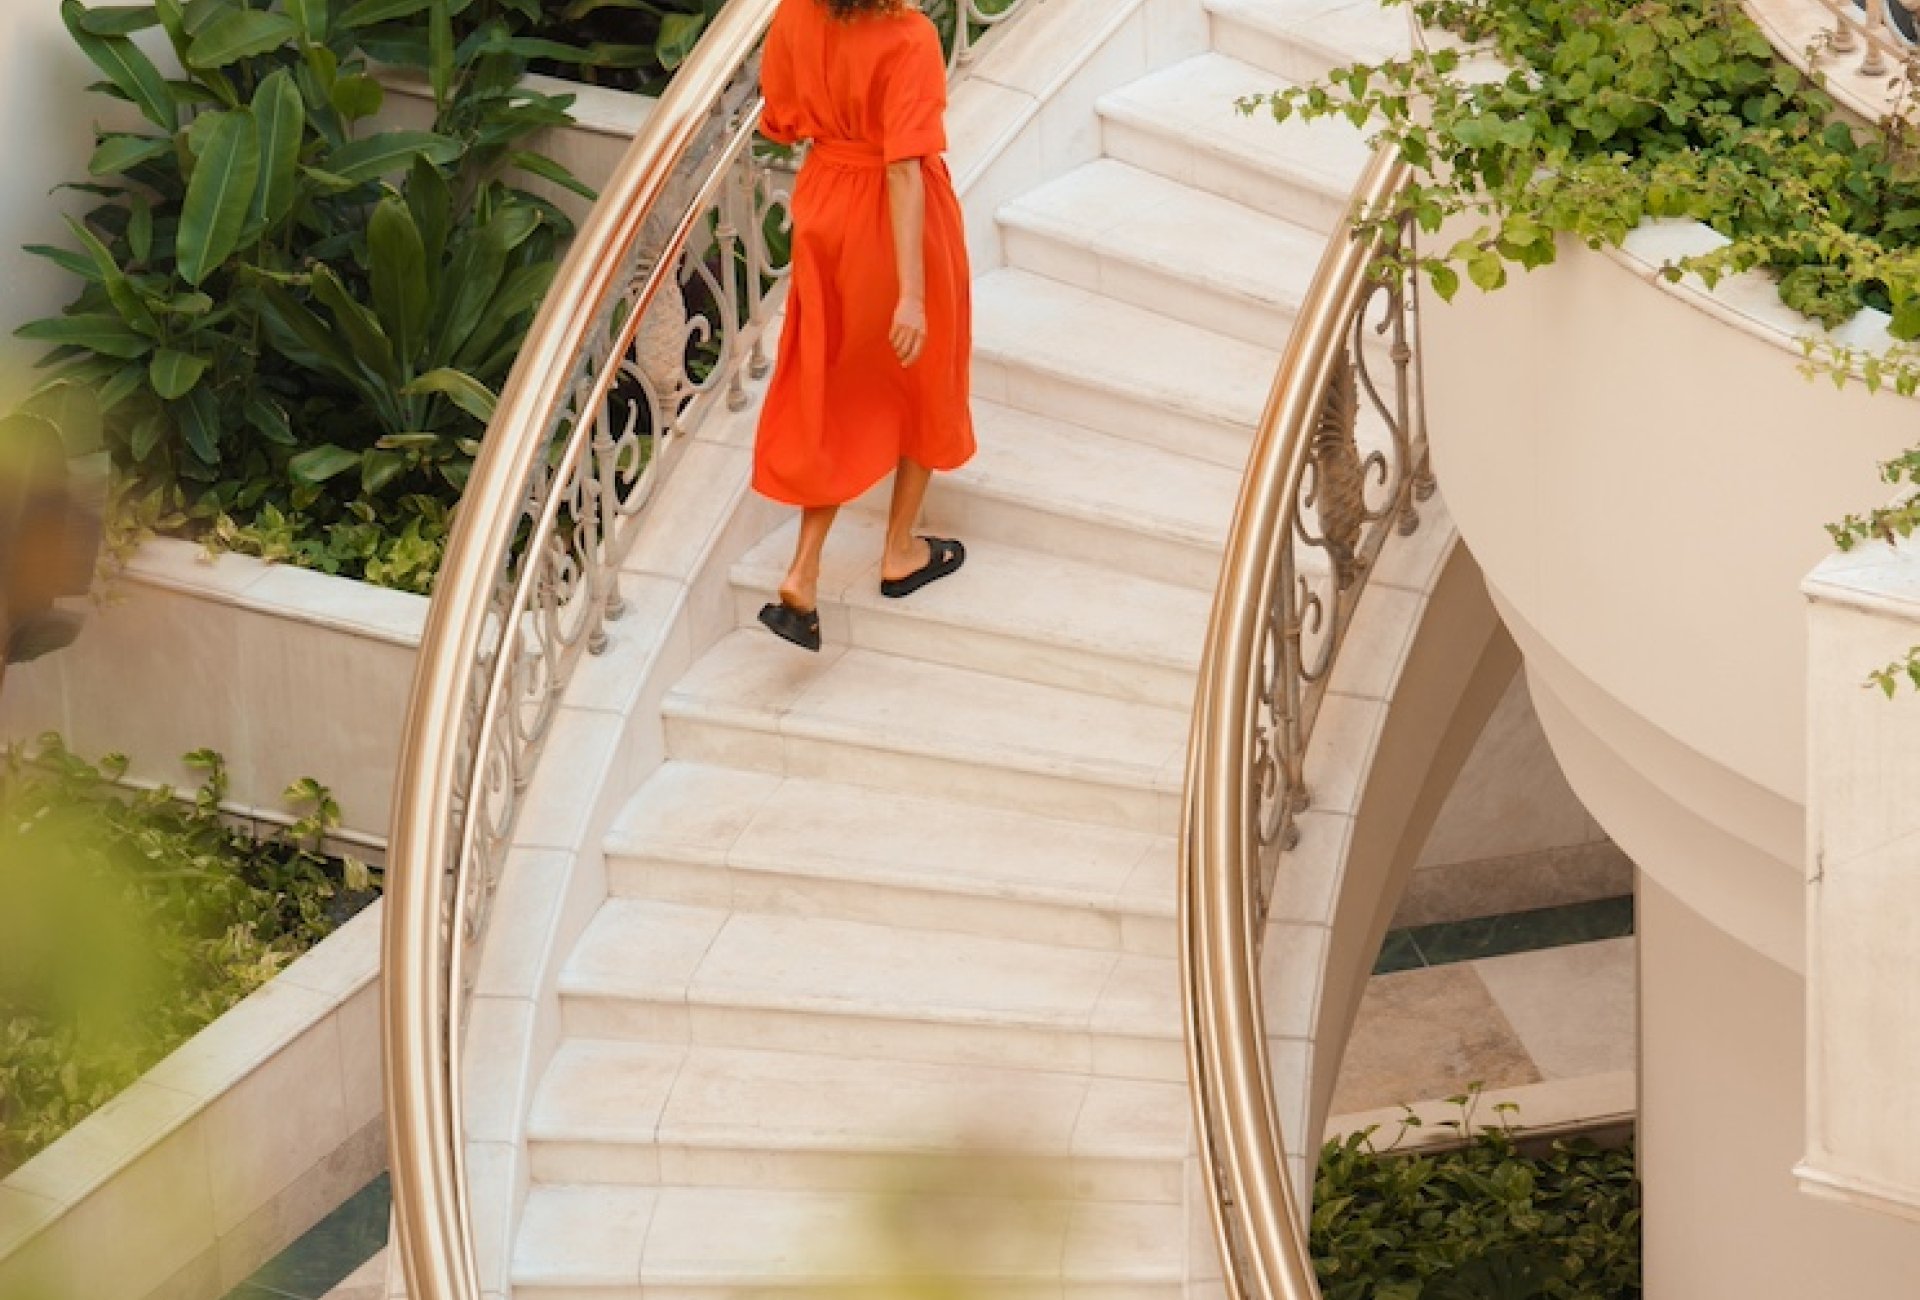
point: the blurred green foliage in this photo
(130, 920)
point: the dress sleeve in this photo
(916, 97)
(780, 119)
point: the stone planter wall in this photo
(220, 1156)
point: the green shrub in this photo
(293, 324)
(1616, 111)
(1486, 1222)
(128, 921)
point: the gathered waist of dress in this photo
(856, 154)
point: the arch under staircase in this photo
(881, 909)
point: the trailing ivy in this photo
(1585, 118)
(128, 921)
(1487, 1222)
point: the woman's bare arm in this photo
(907, 203)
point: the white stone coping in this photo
(223, 1153)
(1874, 577)
(1553, 1108)
(597, 110)
(282, 590)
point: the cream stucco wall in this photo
(49, 117)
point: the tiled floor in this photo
(335, 1259)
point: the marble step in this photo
(749, 841)
(1182, 123)
(636, 1114)
(1189, 255)
(1303, 40)
(914, 727)
(1061, 351)
(1049, 485)
(1020, 613)
(667, 973)
(683, 1243)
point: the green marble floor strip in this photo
(330, 1251)
(1499, 936)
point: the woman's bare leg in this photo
(905, 552)
(801, 590)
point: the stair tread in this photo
(635, 948)
(1028, 321)
(1007, 590)
(783, 1101)
(1195, 101)
(1352, 31)
(1083, 472)
(1115, 210)
(627, 1237)
(755, 681)
(795, 825)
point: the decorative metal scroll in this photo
(1339, 464)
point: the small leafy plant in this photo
(128, 921)
(292, 322)
(1485, 1222)
(1583, 118)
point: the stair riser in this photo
(735, 1289)
(1157, 289)
(935, 1042)
(973, 510)
(1014, 382)
(1139, 807)
(1288, 58)
(895, 630)
(778, 892)
(1302, 200)
(678, 1164)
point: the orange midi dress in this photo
(841, 410)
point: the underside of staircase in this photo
(904, 911)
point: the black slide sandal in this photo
(948, 555)
(789, 624)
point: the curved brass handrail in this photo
(655, 317)
(1316, 506)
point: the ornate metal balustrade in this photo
(655, 320)
(1339, 463)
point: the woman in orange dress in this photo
(872, 376)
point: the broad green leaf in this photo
(66, 259)
(369, 343)
(521, 292)
(126, 67)
(145, 437)
(174, 373)
(199, 417)
(126, 381)
(219, 196)
(200, 13)
(280, 117)
(310, 16)
(122, 153)
(126, 299)
(431, 202)
(356, 97)
(463, 390)
(679, 33)
(540, 165)
(379, 468)
(473, 275)
(303, 338)
(391, 151)
(120, 20)
(397, 262)
(270, 420)
(369, 13)
(101, 332)
(240, 34)
(140, 228)
(440, 66)
(318, 464)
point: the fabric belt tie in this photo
(852, 154)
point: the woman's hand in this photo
(909, 335)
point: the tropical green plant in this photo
(129, 920)
(1600, 114)
(1486, 1221)
(630, 45)
(276, 293)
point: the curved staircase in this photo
(912, 900)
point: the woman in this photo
(872, 376)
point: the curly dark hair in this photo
(845, 9)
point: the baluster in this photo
(1879, 31)
(727, 238)
(605, 478)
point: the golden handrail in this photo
(655, 316)
(1315, 508)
